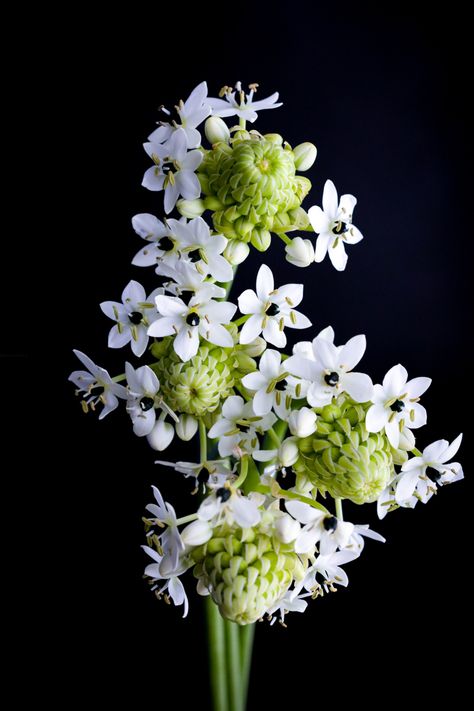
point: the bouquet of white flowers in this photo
(258, 544)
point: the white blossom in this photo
(237, 427)
(192, 113)
(237, 103)
(334, 225)
(97, 386)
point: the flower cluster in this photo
(285, 438)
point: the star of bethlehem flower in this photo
(290, 601)
(173, 585)
(175, 174)
(187, 281)
(425, 473)
(396, 407)
(319, 527)
(269, 383)
(230, 505)
(238, 103)
(160, 247)
(205, 250)
(329, 568)
(189, 321)
(97, 386)
(212, 474)
(237, 427)
(334, 226)
(192, 113)
(271, 309)
(164, 516)
(328, 369)
(132, 317)
(142, 399)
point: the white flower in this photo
(188, 321)
(170, 540)
(305, 350)
(300, 252)
(287, 529)
(271, 309)
(302, 423)
(334, 226)
(237, 427)
(132, 317)
(211, 474)
(181, 179)
(286, 455)
(319, 527)
(329, 370)
(396, 404)
(232, 507)
(269, 383)
(329, 567)
(173, 584)
(237, 103)
(97, 386)
(192, 113)
(186, 278)
(161, 435)
(216, 130)
(143, 387)
(202, 248)
(160, 247)
(290, 601)
(429, 470)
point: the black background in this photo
(383, 97)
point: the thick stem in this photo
(202, 442)
(233, 666)
(247, 633)
(217, 655)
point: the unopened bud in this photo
(196, 533)
(186, 427)
(261, 240)
(254, 348)
(302, 423)
(236, 252)
(161, 435)
(305, 155)
(191, 208)
(287, 529)
(300, 252)
(216, 130)
(288, 452)
(274, 138)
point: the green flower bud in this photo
(216, 130)
(190, 208)
(246, 571)
(342, 458)
(274, 138)
(305, 155)
(236, 252)
(254, 348)
(186, 427)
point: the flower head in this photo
(97, 386)
(271, 310)
(201, 248)
(132, 317)
(269, 383)
(191, 113)
(143, 387)
(396, 405)
(238, 426)
(334, 225)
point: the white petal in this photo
(394, 381)
(144, 423)
(417, 386)
(303, 367)
(186, 343)
(326, 353)
(359, 386)
(270, 364)
(347, 204)
(251, 329)
(133, 294)
(352, 352)
(161, 435)
(297, 320)
(406, 485)
(148, 226)
(450, 452)
(249, 303)
(233, 407)
(320, 222)
(306, 541)
(171, 196)
(304, 513)
(417, 415)
(170, 305)
(289, 295)
(245, 512)
(178, 594)
(353, 235)
(163, 327)
(330, 203)
(272, 333)
(337, 255)
(262, 402)
(254, 381)
(265, 283)
(192, 161)
(153, 179)
(376, 418)
(118, 338)
(219, 268)
(322, 245)
(217, 334)
(196, 533)
(188, 184)
(392, 430)
(139, 346)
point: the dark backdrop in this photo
(383, 97)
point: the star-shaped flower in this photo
(237, 103)
(271, 310)
(97, 386)
(334, 225)
(329, 371)
(202, 248)
(237, 427)
(192, 113)
(269, 383)
(396, 407)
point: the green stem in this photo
(284, 238)
(247, 633)
(272, 435)
(233, 666)
(242, 123)
(119, 378)
(416, 452)
(242, 319)
(339, 509)
(217, 656)
(202, 442)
